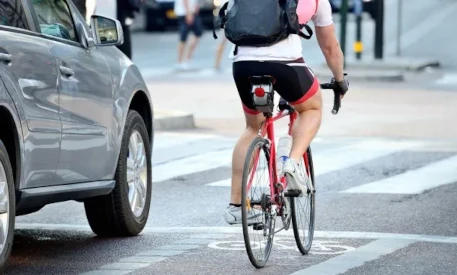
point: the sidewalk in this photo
(365, 111)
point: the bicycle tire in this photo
(304, 248)
(257, 143)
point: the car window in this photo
(12, 14)
(55, 19)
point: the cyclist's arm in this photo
(325, 34)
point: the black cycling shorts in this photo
(294, 80)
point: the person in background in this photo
(219, 52)
(189, 19)
(90, 10)
(221, 47)
(81, 6)
(125, 14)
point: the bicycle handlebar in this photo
(337, 99)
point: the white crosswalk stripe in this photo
(181, 154)
(448, 79)
(414, 181)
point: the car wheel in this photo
(7, 206)
(124, 212)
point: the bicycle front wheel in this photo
(303, 209)
(257, 218)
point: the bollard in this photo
(344, 13)
(358, 44)
(379, 30)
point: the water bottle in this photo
(283, 151)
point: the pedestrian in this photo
(125, 14)
(220, 48)
(81, 6)
(189, 19)
(219, 52)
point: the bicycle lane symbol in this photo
(319, 247)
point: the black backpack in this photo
(259, 23)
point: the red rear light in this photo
(259, 91)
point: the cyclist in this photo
(295, 83)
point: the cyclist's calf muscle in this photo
(306, 125)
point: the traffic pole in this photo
(379, 31)
(399, 26)
(344, 13)
(358, 44)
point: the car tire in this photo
(112, 214)
(6, 174)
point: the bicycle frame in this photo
(267, 129)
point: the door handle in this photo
(66, 71)
(6, 58)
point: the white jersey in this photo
(291, 47)
(180, 9)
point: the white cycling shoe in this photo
(296, 177)
(233, 215)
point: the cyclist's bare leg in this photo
(306, 126)
(253, 123)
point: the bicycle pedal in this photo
(258, 226)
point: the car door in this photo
(85, 94)
(29, 72)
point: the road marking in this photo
(146, 258)
(319, 247)
(351, 155)
(167, 168)
(347, 156)
(192, 165)
(413, 181)
(447, 80)
(238, 230)
(221, 183)
(260, 180)
(355, 258)
(170, 140)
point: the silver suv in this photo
(75, 119)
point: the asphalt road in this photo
(384, 206)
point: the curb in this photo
(173, 120)
(400, 64)
(368, 75)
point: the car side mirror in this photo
(106, 31)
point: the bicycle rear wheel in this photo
(257, 219)
(303, 210)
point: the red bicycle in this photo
(273, 200)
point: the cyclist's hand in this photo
(342, 86)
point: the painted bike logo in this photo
(319, 247)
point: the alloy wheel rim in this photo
(137, 174)
(4, 208)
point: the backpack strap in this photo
(308, 30)
(221, 19)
